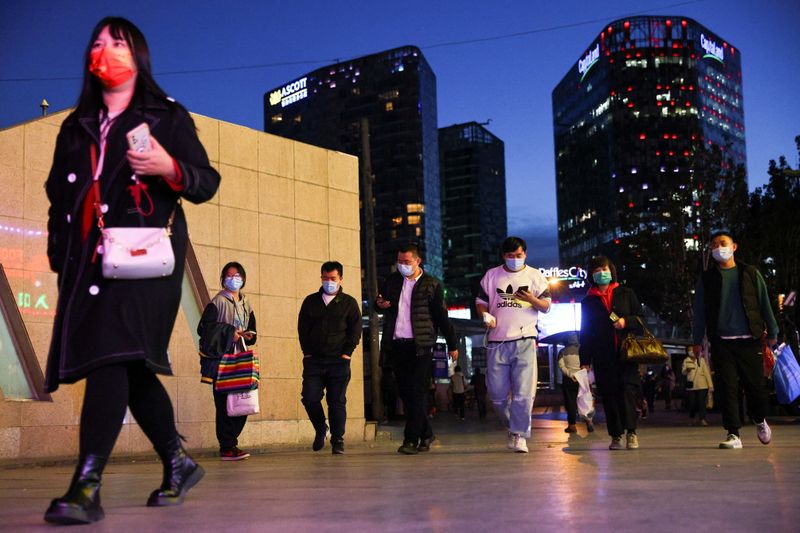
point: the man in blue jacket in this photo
(329, 327)
(732, 308)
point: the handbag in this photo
(131, 252)
(242, 403)
(238, 372)
(644, 350)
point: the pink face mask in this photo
(112, 66)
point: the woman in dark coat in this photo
(115, 333)
(608, 312)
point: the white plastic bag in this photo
(242, 403)
(585, 398)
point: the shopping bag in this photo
(786, 375)
(238, 372)
(242, 403)
(585, 398)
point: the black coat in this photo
(428, 311)
(597, 345)
(125, 320)
(329, 330)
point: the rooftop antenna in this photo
(488, 121)
(44, 105)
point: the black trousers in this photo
(697, 403)
(412, 368)
(619, 386)
(570, 389)
(109, 391)
(458, 403)
(228, 427)
(480, 399)
(326, 376)
(737, 363)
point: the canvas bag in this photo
(238, 372)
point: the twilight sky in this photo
(197, 53)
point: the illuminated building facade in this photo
(396, 91)
(472, 166)
(636, 122)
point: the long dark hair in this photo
(91, 97)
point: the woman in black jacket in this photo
(608, 312)
(115, 332)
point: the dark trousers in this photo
(228, 427)
(326, 376)
(412, 368)
(620, 387)
(458, 403)
(109, 391)
(739, 361)
(570, 389)
(697, 403)
(480, 399)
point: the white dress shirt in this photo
(402, 326)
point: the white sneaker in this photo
(764, 432)
(731, 442)
(511, 442)
(520, 444)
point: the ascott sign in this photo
(713, 50)
(289, 93)
(588, 61)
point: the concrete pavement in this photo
(678, 480)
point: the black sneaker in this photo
(408, 448)
(337, 447)
(319, 439)
(425, 445)
(233, 454)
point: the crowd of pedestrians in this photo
(90, 188)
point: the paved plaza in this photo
(677, 481)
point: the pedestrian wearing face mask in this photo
(114, 333)
(329, 328)
(228, 325)
(732, 308)
(414, 313)
(510, 298)
(608, 312)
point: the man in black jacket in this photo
(413, 310)
(732, 309)
(329, 327)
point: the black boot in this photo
(180, 474)
(81, 503)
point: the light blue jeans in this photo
(512, 372)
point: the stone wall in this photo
(282, 209)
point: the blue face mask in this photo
(602, 278)
(405, 270)
(233, 283)
(515, 263)
(330, 287)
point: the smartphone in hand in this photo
(139, 138)
(613, 316)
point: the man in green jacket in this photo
(732, 309)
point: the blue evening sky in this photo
(507, 80)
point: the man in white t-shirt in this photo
(510, 299)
